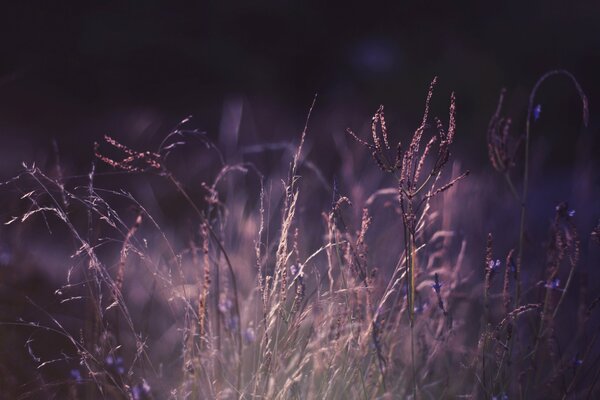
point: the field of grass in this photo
(189, 272)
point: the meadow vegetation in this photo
(237, 283)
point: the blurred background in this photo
(72, 72)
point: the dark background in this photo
(72, 71)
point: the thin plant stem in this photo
(524, 192)
(221, 248)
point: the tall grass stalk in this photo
(414, 191)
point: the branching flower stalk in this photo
(415, 189)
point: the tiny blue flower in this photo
(119, 365)
(293, 270)
(115, 363)
(232, 323)
(494, 265)
(420, 308)
(136, 392)
(249, 335)
(437, 286)
(555, 284)
(141, 391)
(536, 112)
(511, 265)
(225, 305)
(76, 375)
(571, 213)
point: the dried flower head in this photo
(564, 242)
(502, 148)
(409, 165)
(135, 161)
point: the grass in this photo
(252, 295)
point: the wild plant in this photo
(519, 367)
(415, 189)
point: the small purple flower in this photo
(136, 392)
(554, 284)
(293, 270)
(141, 391)
(421, 308)
(76, 375)
(377, 325)
(120, 366)
(5, 257)
(115, 363)
(511, 265)
(225, 305)
(232, 323)
(249, 335)
(563, 211)
(536, 112)
(437, 286)
(494, 265)
(493, 268)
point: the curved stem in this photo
(530, 107)
(512, 188)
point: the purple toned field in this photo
(200, 269)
